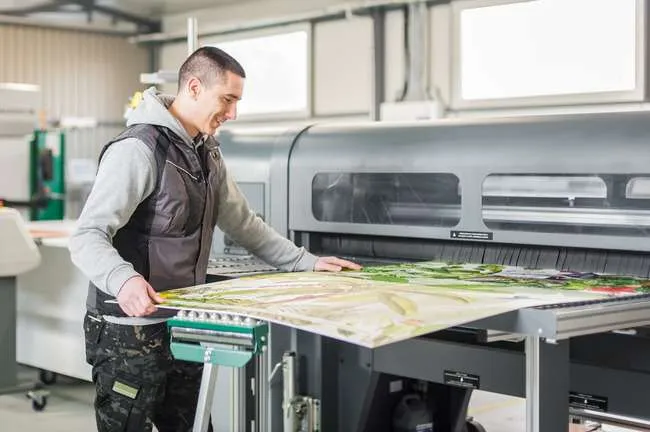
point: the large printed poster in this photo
(385, 304)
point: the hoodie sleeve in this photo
(239, 221)
(126, 176)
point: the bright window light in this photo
(548, 47)
(276, 72)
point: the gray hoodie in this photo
(126, 176)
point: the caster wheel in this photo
(39, 405)
(38, 397)
(47, 377)
(474, 426)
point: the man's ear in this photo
(194, 87)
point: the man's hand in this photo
(137, 297)
(334, 264)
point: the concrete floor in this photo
(69, 409)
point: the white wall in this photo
(343, 56)
(343, 51)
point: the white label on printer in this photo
(395, 386)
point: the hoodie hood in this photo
(153, 110)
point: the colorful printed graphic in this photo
(386, 304)
(491, 275)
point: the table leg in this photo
(206, 395)
(8, 367)
(547, 385)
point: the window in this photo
(277, 72)
(413, 199)
(607, 204)
(548, 51)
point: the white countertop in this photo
(51, 233)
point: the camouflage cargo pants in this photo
(138, 383)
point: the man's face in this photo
(218, 103)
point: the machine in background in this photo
(32, 162)
(46, 199)
(32, 182)
(18, 255)
(570, 192)
(248, 158)
(47, 175)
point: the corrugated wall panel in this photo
(80, 74)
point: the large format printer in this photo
(570, 192)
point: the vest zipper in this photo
(205, 210)
(195, 178)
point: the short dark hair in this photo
(208, 63)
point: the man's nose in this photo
(232, 113)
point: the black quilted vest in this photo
(168, 238)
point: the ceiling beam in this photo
(58, 25)
(88, 7)
(144, 25)
(54, 6)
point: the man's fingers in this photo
(151, 308)
(345, 263)
(335, 264)
(340, 263)
(134, 308)
(325, 266)
(136, 297)
(138, 306)
(142, 301)
(127, 309)
(154, 295)
(145, 305)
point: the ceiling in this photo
(142, 16)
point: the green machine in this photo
(215, 339)
(47, 175)
(40, 164)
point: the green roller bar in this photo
(202, 354)
(217, 341)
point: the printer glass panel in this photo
(604, 204)
(413, 199)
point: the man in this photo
(147, 226)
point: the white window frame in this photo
(285, 115)
(458, 103)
